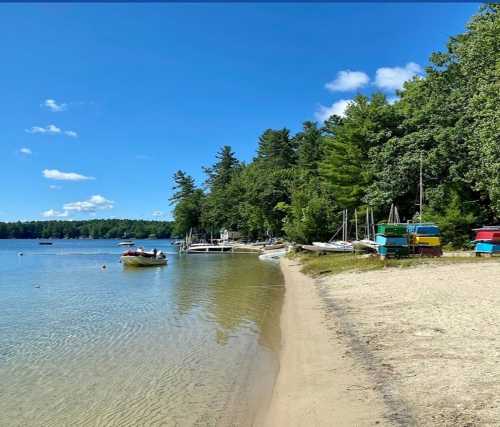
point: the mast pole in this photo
(421, 189)
(356, 222)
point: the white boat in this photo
(203, 248)
(126, 243)
(364, 245)
(335, 246)
(273, 255)
(143, 258)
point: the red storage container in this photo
(488, 235)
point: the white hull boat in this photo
(273, 255)
(337, 246)
(364, 245)
(126, 243)
(206, 248)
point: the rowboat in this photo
(426, 240)
(143, 259)
(391, 240)
(391, 229)
(488, 236)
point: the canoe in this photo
(391, 229)
(487, 248)
(396, 251)
(391, 240)
(426, 240)
(488, 236)
(423, 229)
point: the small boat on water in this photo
(126, 243)
(45, 243)
(141, 258)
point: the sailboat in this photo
(368, 243)
(337, 245)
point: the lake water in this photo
(192, 343)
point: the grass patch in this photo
(315, 265)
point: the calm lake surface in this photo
(192, 343)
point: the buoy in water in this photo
(20, 254)
(104, 267)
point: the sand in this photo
(417, 346)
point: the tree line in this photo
(93, 229)
(297, 185)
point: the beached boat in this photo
(126, 243)
(143, 258)
(337, 245)
(488, 235)
(365, 245)
(273, 255)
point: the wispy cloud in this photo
(393, 78)
(25, 151)
(337, 108)
(348, 80)
(51, 130)
(92, 204)
(53, 106)
(52, 213)
(55, 187)
(158, 214)
(64, 176)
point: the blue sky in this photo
(102, 103)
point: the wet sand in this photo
(416, 346)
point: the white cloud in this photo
(71, 133)
(64, 176)
(52, 105)
(50, 129)
(158, 213)
(393, 78)
(348, 80)
(55, 187)
(52, 213)
(338, 108)
(25, 151)
(93, 204)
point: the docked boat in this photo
(126, 243)
(204, 248)
(141, 258)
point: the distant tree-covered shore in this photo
(91, 229)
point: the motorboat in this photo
(141, 258)
(203, 248)
(126, 243)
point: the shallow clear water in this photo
(192, 343)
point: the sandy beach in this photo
(415, 346)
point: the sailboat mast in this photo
(421, 189)
(356, 222)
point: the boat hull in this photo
(141, 261)
(391, 229)
(426, 240)
(487, 248)
(488, 236)
(423, 229)
(209, 249)
(391, 240)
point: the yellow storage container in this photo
(426, 240)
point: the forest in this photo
(298, 184)
(93, 229)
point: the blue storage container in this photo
(424, 229)
(396, 251)
(488, 248)
(391, 240)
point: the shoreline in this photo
(389, 347)
(318, 382)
